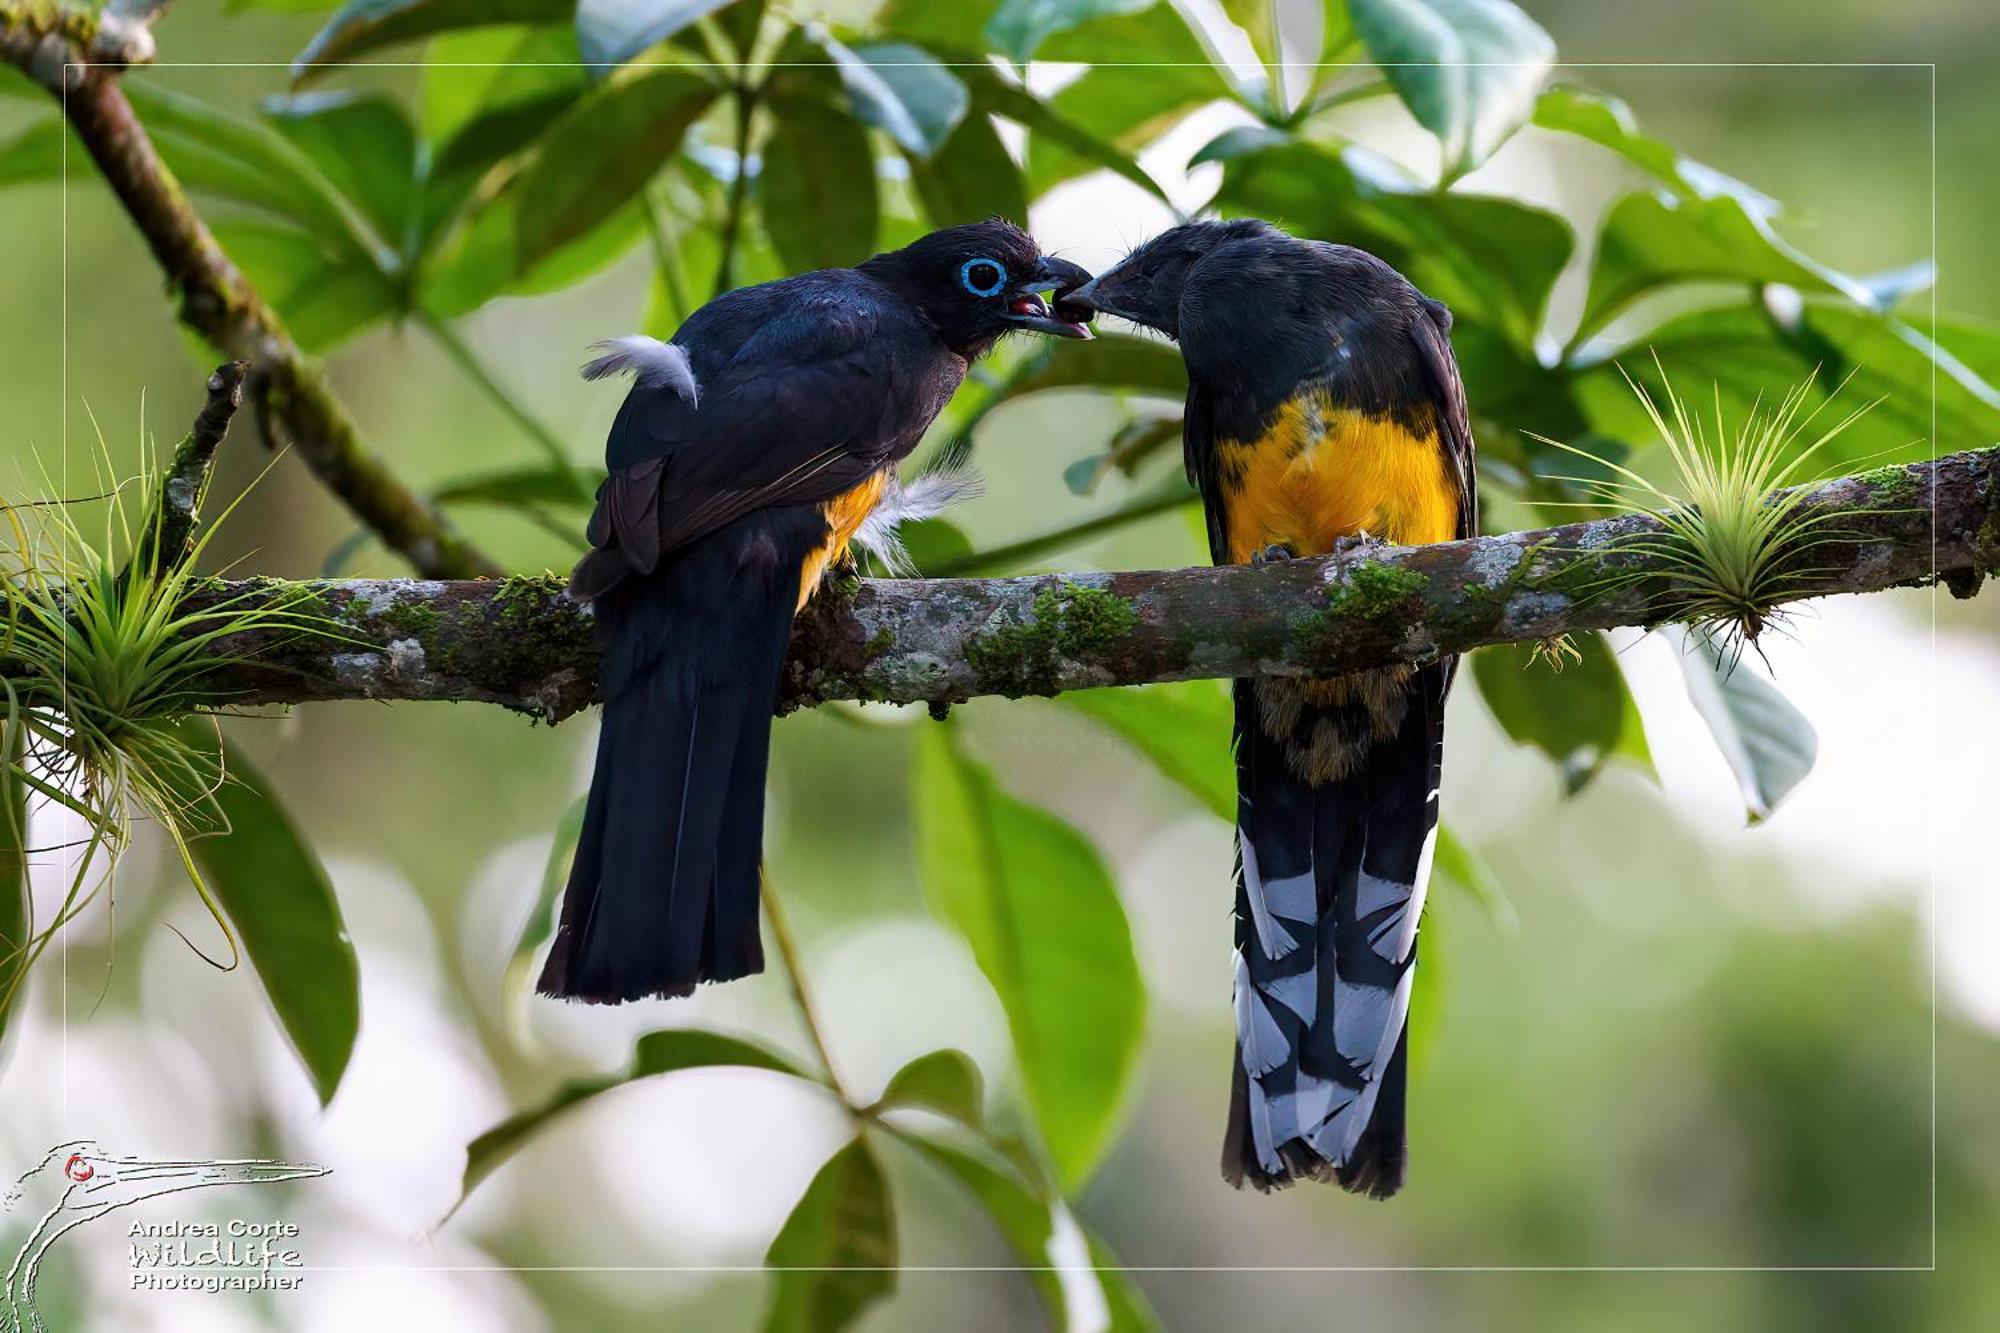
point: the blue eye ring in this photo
(993, 288)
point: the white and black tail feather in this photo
(654, 364)
(949, 480)
(1330, 889)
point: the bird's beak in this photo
(128, 1180)
(1027, 310)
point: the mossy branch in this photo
(78, 56)
(524, 644)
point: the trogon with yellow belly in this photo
(751, 449)
(1324, 410)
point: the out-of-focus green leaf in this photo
(970, 178)
(1018, 27)
(1492, 260)
(1576, 716)
(1045, 125)
(657, 1053)
(1974, 345)
(15, 908)
(35, 154)
(900, 89)
(1607, 122)
(1034, 901)
(1112, 361)
(517, 981)
(602, 153)
(1769, 744)
(1183, 728)
(323, 294)
(1456, 862)
(836, 1254)
(362, 26)
(365, 146)
(212, 151)
(1741, 352)
(816, 189)
(1469, 70)
(277, 895)
(473, 72)
(1649, 242)
(611, 32)
(958, 27)
(947, 1082)
(1097, 1296)
(522, 485)
(482, 259)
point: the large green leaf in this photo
(611, 32)
(1018, 27)
(1037, 906)
(1649, 242)
(325, 295)
(836, 1253)
(1742, 352)
(970, 178)
(1184, 728)
(1769, 744)
(1492, 260)
(1469, 70)
(816, 189)
(362, 26)
(1579, 717)
(277, 895)
(657, 1053)
(602, 153)
(471, 72)
(482, 259)
(903, 91)
(946, 1082)
(1028, 1222)
(35, 154)
(365, 147)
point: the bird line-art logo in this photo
(79, 1182)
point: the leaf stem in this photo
(739, 191)
(795, 976)
(475, 370)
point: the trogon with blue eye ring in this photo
(1324, 409)
(751, 449)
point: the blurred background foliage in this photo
(1644, 1036)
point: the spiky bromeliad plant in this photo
(1736, 540)
(104, 656)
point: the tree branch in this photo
(170, 532)
(522, 643)
(77, 58)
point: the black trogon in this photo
(751, 449)
(1324, 408)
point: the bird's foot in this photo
(1349, 543)
(1275, 553)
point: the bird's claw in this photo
(1273, 554)
(1350, 542)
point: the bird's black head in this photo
(1146, 287)
(980, 281)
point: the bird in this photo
(1324, 413)
(78, 1182)
(752, 447)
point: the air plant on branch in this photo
(1735, 539)
(105, 655)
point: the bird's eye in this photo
(982, 277)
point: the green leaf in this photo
(15, 907)
(810, 189)
(836, 1254)
(1027, 1221)
(278, 897)
(1492, 260)
(611, 32)
(1576, 717)
(1184, 728)
(482, 259)
(35, 154)
(517, 981)
(947, 1082)
(362, 26)
(602, 153)
(1112, 361)
(365, 147)
(1037, 906)
(899, 89)
(1018, 27)
(1649, 242)
(1469, 70)
(1608, 122)
(1456, 862)
(1045, 125)
(1769, 744)
(970, 178)
(657, 1053)
(513, 487)
(473, 72)
(325, 295)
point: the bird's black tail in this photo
(663, 893)
(1336, 817)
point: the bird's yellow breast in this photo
(844, 514)
(1320, 472)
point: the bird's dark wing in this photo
(1431, 332)
(803, 396)
(1198, 452)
